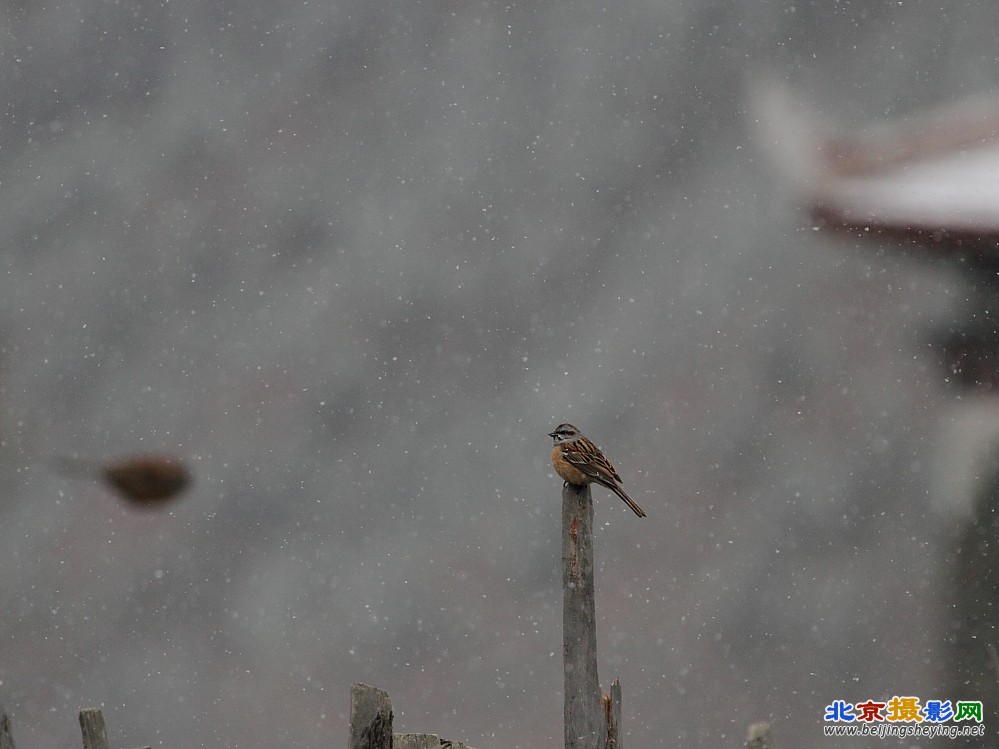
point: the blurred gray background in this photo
(354, 260)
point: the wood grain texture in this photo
(583, 713)
(370, 718)
(92, 726)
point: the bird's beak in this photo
(552, 434)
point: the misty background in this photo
(352, 261)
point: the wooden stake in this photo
(92, 725)
(6, 735)
(583, 713)
(370, 718)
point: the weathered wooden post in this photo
(612, 716)
(95, 735)
(6, 735)
(592, 721)
(370, 718)
(371, 724)
(579, 623)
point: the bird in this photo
(147, 480)
(142, 480)
(577, 460)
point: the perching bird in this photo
(142, 480)
(580, 462)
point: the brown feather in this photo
(578, 461)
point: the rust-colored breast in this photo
(566, 470)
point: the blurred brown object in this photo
(147, 479)
(930, 178)
(142, 480)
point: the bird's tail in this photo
(627, 500)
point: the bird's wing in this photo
(585, 456)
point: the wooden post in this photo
(583, 718)
(370, 718)
(92, 725)
(416, 741)
(612, 716)
(6, 735)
